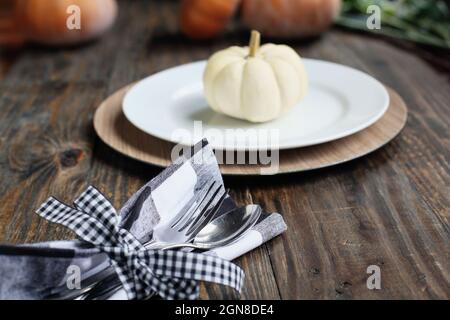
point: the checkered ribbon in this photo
(172, 274)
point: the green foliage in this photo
(421, 21)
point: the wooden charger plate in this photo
(118, 133)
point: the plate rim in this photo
(396, 117)
(287, 145)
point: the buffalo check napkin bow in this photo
(172, 274)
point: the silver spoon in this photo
(220, 232)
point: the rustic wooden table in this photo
(390, 208)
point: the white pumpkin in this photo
(255, 83)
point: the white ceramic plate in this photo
(341, 101)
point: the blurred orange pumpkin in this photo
(290, 18)
(274, 18)
(46, 21)
(202, 19)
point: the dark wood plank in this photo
(390, 208)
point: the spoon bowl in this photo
(223, 230)
(228, 228)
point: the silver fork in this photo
(191, 219)
(187, 227)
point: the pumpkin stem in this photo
(255, 42)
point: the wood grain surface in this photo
(116, 131)
(390, 208)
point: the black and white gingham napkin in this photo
(172, 274)
(40, 270)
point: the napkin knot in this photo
(171, 274)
